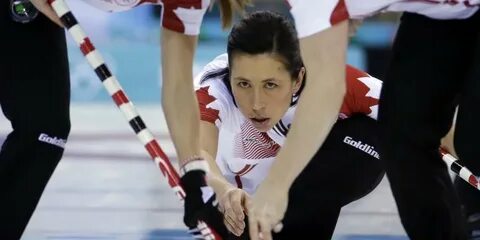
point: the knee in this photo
(420, 126)
(410, 134)
(56, 125)
(56, 134)
(44, 127)
(465, 147)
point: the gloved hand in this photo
(203, 219)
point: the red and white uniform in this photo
(246, 154)
(312, 16)
(178, 15)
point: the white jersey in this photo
(245, 154)
(178, 15)
(312, 16)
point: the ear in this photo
(299, 81)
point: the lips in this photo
(259, 120)
(260, 123)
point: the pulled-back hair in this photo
(267, 32)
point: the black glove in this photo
(199, 215)
(203, 219)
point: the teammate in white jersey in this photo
(417, 112)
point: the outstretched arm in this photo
(209, 136)
(230, 198)
(324, 57)
(178, 98)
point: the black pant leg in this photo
(467, 131)
(34, 96)
(418, 99)
(346, 168)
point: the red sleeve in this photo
(317, 15)
(184, 16)
(361, 96)
(339, 13)
(204, 99)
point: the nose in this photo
(258, 101)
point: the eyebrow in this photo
(245, 79)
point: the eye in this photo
(243, 84)
(270, 85)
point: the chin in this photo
(264, 129)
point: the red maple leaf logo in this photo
(356, 99)
(204, 99)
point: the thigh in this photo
(35, 73)
(35, 95)
(340, 172)
(427, 70)
(467, 129)
(347, 166)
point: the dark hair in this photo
(263, 32)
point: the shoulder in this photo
(214, 98)
(358, 80)
(317, 15)
(213, 73)
(184, 16)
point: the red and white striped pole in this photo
(455, 166)
(115, 90)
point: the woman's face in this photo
(262, 88)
